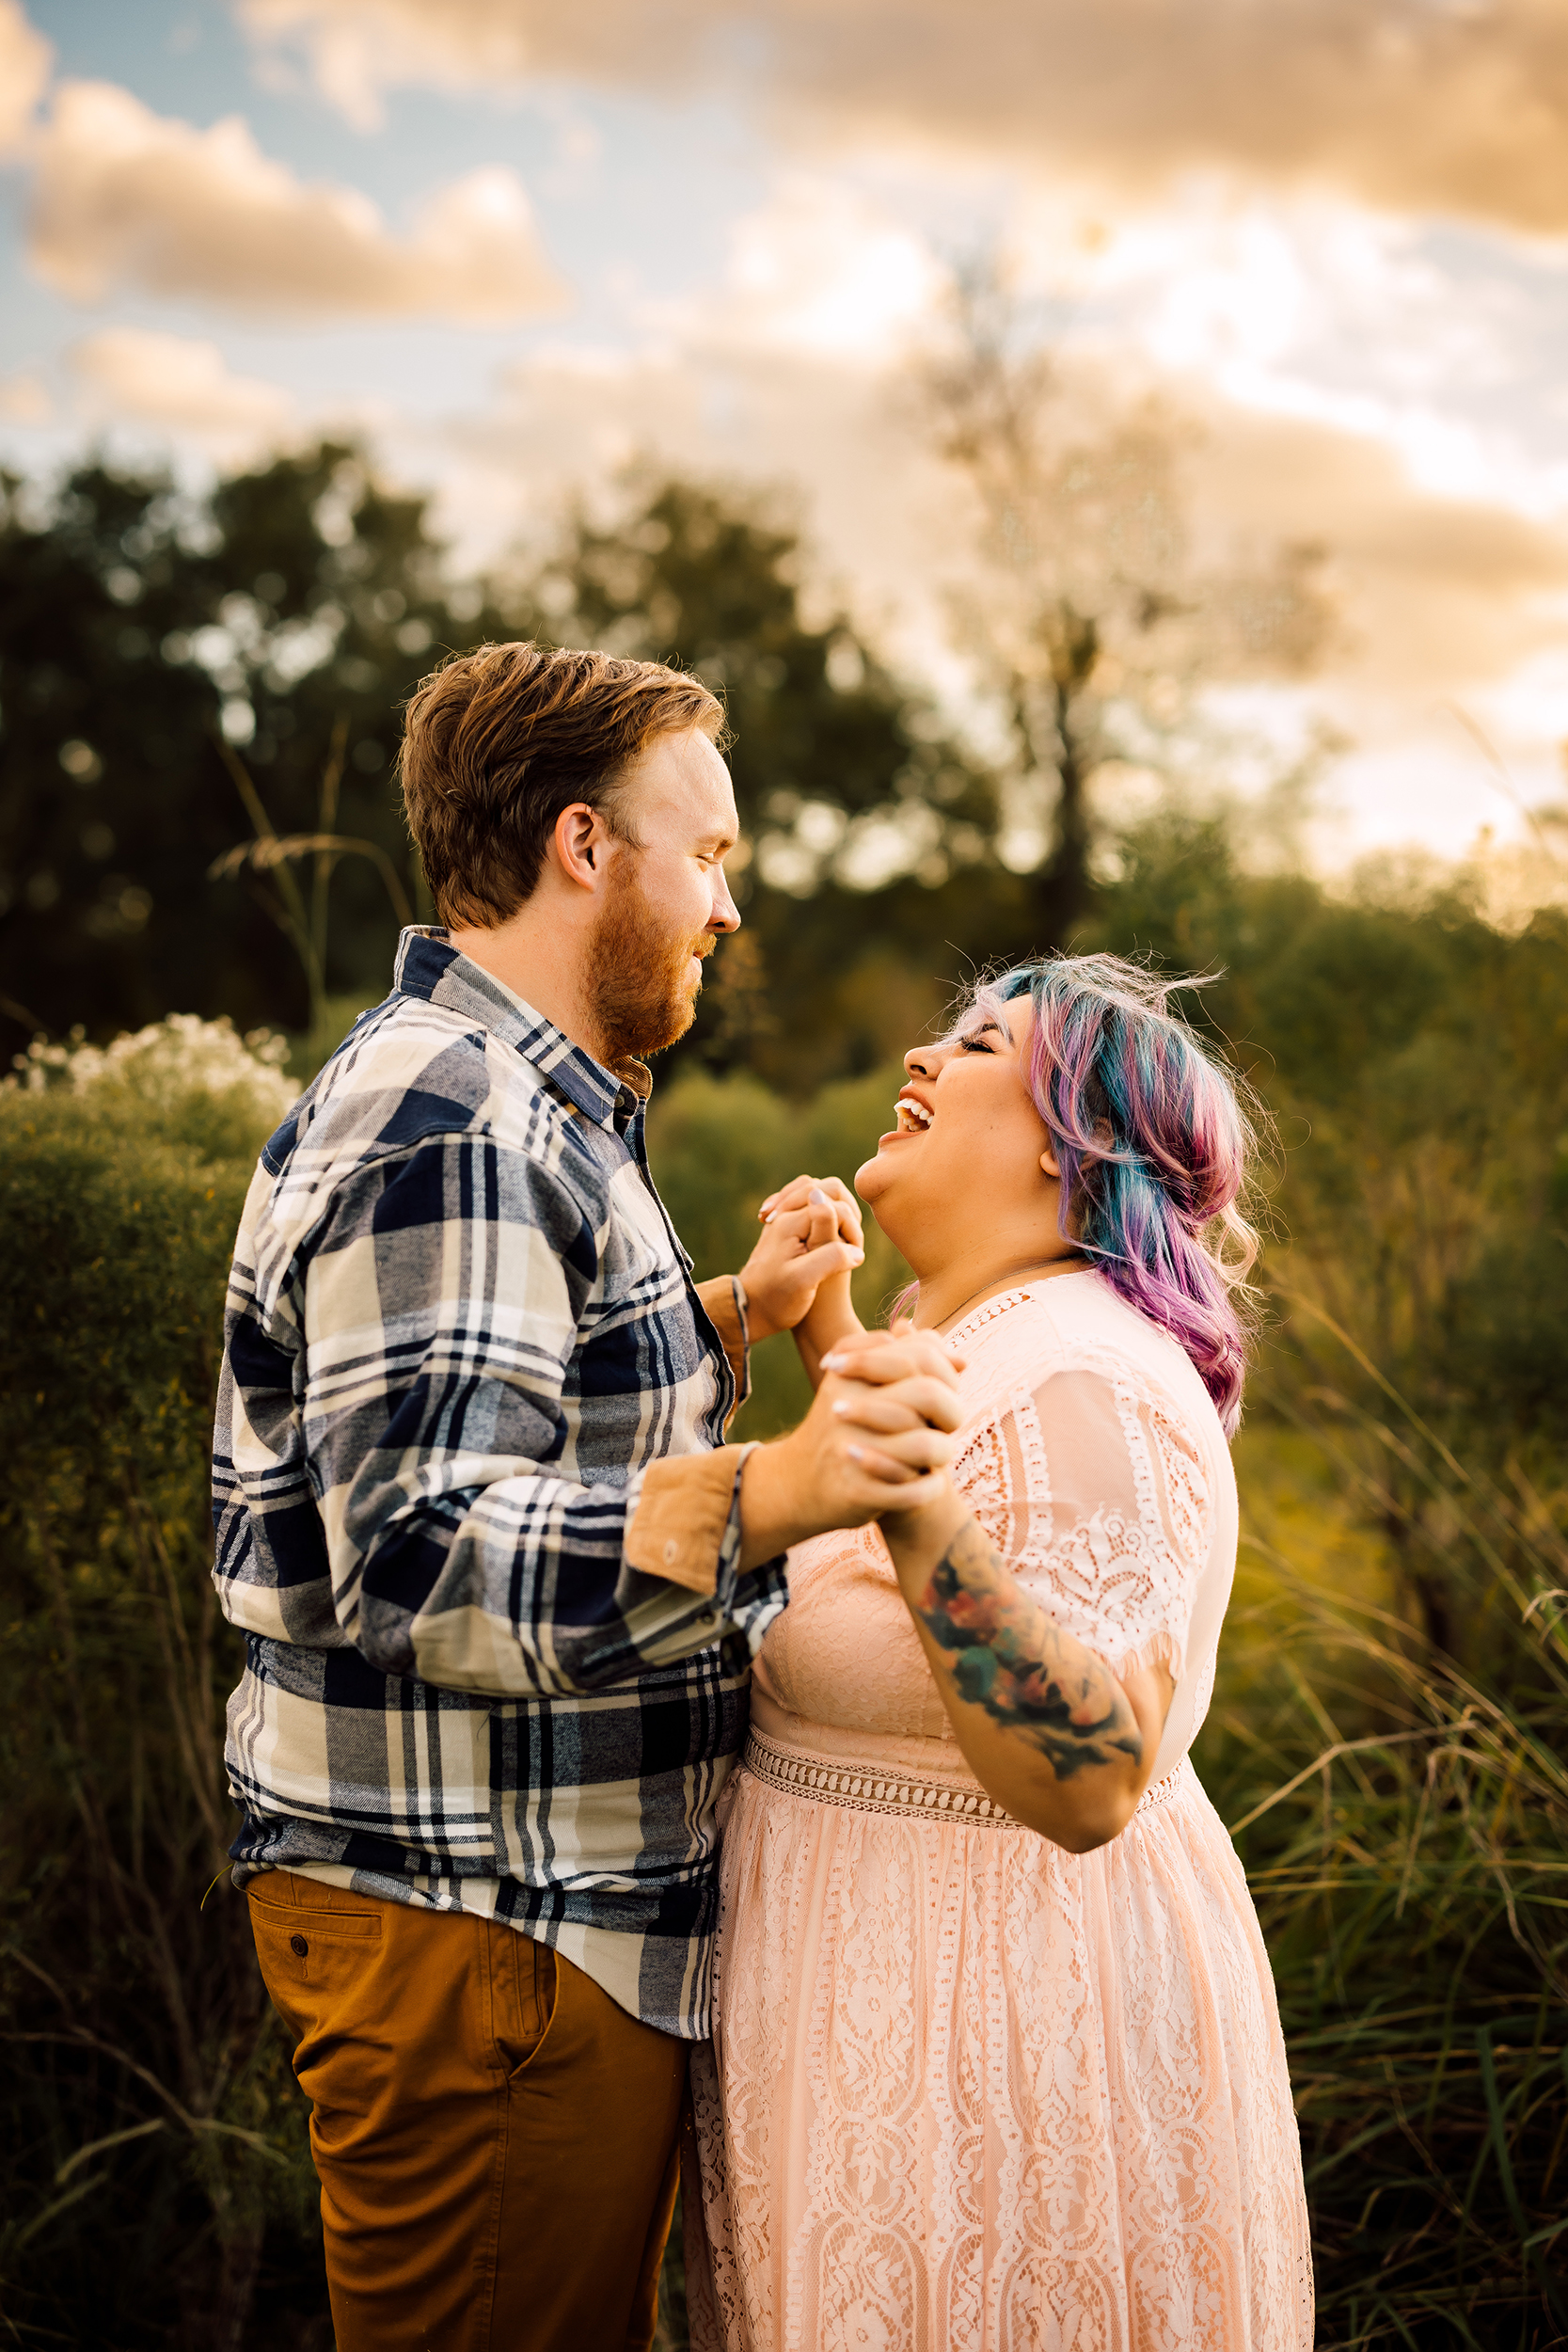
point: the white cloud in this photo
(1458, 108)
(25, 399)
(127, 198)
(25, 58)
(1314, 310)
(358, 49)
(179, 385)
(820, 270)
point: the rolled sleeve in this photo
(684, 1516)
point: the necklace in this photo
(1049, 1267)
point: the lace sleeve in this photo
(1098, 1500)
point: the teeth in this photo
(913, 1118)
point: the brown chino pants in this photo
(497, 2139)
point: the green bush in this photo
(154, 2170)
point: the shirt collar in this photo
(428, 965)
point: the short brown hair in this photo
(498, 742)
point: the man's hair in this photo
(497, 742)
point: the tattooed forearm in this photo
(1006, 1656)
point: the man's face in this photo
(667, 897)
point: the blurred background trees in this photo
(168, 660)
(143, 632)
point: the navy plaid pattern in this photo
(460, 1330)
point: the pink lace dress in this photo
(967, 2089)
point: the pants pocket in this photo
(527, 1991)
(315, 1964)
(303, 1943)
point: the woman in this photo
(997, 2060)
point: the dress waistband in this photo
(934, 1796)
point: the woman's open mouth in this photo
(912, 1115)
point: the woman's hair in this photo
(1154, 1147)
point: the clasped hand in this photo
(879, 1437)
(880, 1433)
(810, 1236)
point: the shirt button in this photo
(298, 1947)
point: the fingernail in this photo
(767, 1215)
(857, 1257)
(834, 1363)
(816, 1196)
(856, 1452)
(843, 1405)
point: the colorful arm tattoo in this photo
(1027, 1673)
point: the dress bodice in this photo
(1094, 1458)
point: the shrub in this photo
(155, 2135)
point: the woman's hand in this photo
(811, 1237)
(879, 1377)
(867, 1444)
(831, 1315)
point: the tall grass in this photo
(1403, 1815)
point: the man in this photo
(500, 1576)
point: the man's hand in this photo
(811, 1234)
(876, 1442)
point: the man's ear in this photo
(579, 843)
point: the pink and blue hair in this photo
(1154, 1144)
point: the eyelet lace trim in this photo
(937, 1797)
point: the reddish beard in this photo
(640, 984)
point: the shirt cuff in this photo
(724, 1304)
(687, 1518)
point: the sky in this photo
(515, 245)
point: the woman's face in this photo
(969, 1147)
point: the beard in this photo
(639, 985)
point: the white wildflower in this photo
(177, 1055)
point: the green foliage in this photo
(1414, 1060)
(154, 2163)
(135, 624)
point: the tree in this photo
(1092, 622)
(144, 635)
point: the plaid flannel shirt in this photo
(474, 1512)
